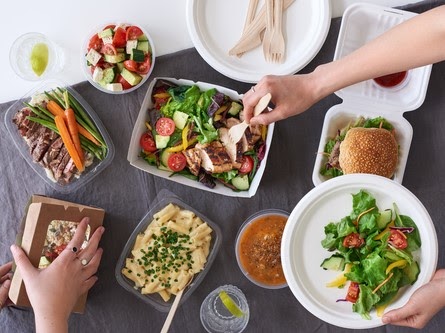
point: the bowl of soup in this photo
(258, 248)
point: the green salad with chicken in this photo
(374, 251)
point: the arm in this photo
(54, 291)
(422, 306)
(417, 42)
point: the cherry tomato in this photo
(131, 65)
(108, 49)
(125, 84)
(247, 164)
(176, 162)
(95, 43)
(144, 67)
(147, 142)
(353, 240)
(165, 126)
(353, 292)
(133, 32)
(398, 239)
(120, 37)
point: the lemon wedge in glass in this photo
(39, 58)
(230, 304)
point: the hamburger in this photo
(367, 146)
(369, 150)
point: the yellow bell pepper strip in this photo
(174, 149)
(398, 263)
(162, 95)
(383, 282)
(263, 132)
(147, 124)
(387, 229)
(341, 279)
(363, 213)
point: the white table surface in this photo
(69, 23)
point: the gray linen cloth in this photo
(125, 193)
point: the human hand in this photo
(5, 283)
(422, 306)
(54, 291)
(291, 94)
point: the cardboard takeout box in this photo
(39, 214)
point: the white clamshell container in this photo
(361, 23)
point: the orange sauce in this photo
(260, 249)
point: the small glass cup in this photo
(215, 317)
(34, 57)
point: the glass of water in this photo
(229, 318)
(34, 57)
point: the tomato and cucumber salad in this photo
(374, 251)
(119, 57)
(187, 131)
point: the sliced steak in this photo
(61, 167)
(43, 143)
(52, 152)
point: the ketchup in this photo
(391, 80)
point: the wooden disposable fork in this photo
(277, 46)
(236, 132)
(269, 34)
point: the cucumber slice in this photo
(130, 77)
(137, 55)
(411, 272)
(114, 58)
(144, 46)
(235, 108)
(180, 119)
(107, 76)
(161, 141)
(384, 218)
(164, 157)
(334, 263)
(105, 33)
(241, 182)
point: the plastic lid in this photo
(361, 23)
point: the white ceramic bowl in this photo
(87, 69)
(302, 253)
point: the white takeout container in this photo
(137, 161)
(361, 23)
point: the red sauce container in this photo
(391, 80)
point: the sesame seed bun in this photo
(369, 150)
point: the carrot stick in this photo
(68, 142)
(74, 132)
(88, 135)
(57, 110)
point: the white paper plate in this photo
(302, 253)
(216, 26)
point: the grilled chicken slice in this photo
(193, 157)
(233, 149)
(250, 137)
(214, 157)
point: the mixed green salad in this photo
(187, 134)
(374, 250)
(332, 168)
